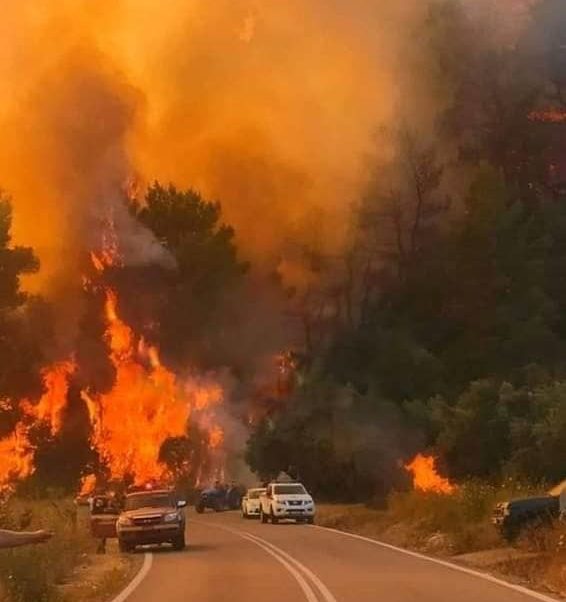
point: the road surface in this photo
(229, 559)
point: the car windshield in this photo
(149, 500)
(253, 494)
(558, 489)
(288, 489)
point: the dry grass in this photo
(99, 577)
(52, 572)
(33, 573)
(413, 518)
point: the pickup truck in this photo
(151, 517)
(511, 517)
(286, 501)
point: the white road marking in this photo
(307, 590)
(291, 564)
(518, 588)
(140, 576)
(326, 594)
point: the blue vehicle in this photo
(213, 498)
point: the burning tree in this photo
(146, 406)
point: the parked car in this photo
(234, 495)
(151, 517)
(513, 516)
(286, 501)
(213, 498)
(251, 503)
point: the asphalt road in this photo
(229, 559)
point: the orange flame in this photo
(16, 456)
(146, 405)
(88, 484)
(52, 403)
(216, 437)
(16, 450)
(426, 477)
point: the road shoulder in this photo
(536, 571)
(101, 577)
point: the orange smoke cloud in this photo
(269, 107)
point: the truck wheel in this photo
(274, 519)
(264, 516)
(179, 542)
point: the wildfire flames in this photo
(426, 477)
(16, 449)
(146, 405)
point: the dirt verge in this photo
(99, 577)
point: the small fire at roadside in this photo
(426, 477)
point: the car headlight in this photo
(172, 517)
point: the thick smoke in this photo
(269, 107)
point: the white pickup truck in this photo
(286, 501)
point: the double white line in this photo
(313, 588)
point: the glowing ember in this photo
(549, 116)
(426, 477)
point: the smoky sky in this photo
(269, 107)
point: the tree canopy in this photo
(451, 303)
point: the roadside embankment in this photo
(458, 527)
(67, 568)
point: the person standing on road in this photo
(14, 539)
